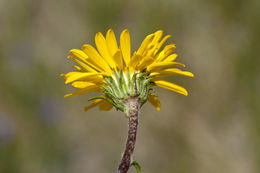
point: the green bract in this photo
(124, 85)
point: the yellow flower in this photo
(113, 71)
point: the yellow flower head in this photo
(113, 71)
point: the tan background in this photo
(216, 129)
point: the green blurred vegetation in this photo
(215, 129)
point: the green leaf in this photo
(153, 94)
(137, 166)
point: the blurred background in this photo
(215, 129)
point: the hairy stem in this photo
(133, 105)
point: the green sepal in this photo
(140, 81)
(109, 95)
(107, 89)
(145, 87)
(139, 84)
(116, 75)
(129, 78)
(133, 85)
(110, 83)
(122, 84)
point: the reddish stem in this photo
(133, 105)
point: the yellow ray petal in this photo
(105, 106)
(171, 86)
(93, 104)
(111, 42)
(125, 45)
(77, 68)
(146, 61)
(79, 54)
(75, 73)
(82, 84)
(73, 76)
(84, 57)
(144, 44)
(155, 102)
(171, 72)
(158, 35)
(69, 74)
(85, 90)
(150, 51)
(151, 48)
(168, 49)
(160, 65)
(85, 66)
(170, 58)
(103, 50)
(134, 61)
(118, 59)
(159, 45)
(95, 58)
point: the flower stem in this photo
(133, 105)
